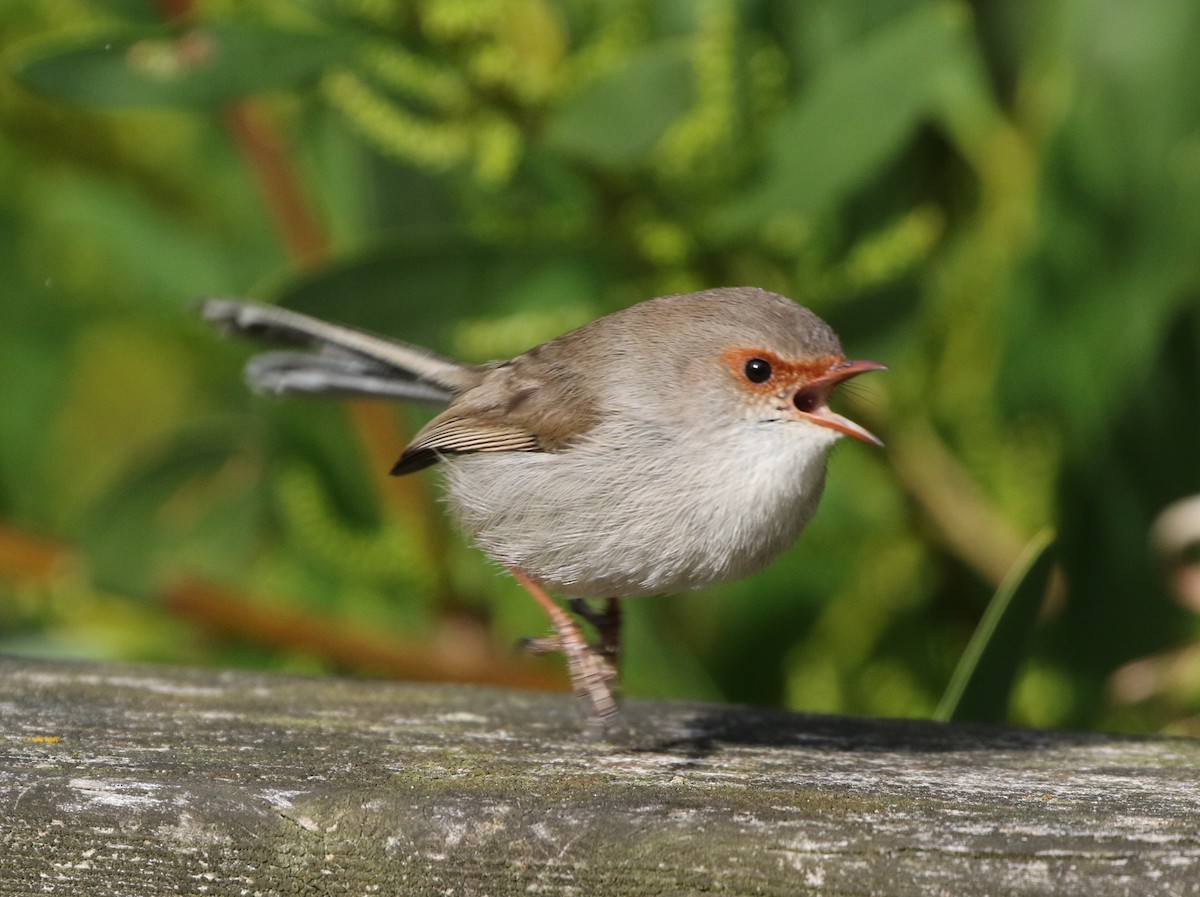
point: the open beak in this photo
(811, 400)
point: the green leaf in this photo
(618, 118)
(204, 66)
(981, 686)
(416, 291)
(30, 355)
(192, 505)
(163, 255)
(855, 116)
(141, 12)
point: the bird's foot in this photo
(592, 668)
(606, 622)
(593, 673)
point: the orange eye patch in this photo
(764, 372)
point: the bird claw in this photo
(592, 667)
(540, 646)
(593, 678)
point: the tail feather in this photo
(346, 361)
(326, 374)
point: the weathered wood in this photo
(150, 781)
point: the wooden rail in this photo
(155, 781)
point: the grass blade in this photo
(982, 684)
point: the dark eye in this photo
(806, 402)
(757, 370)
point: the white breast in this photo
(632, 511)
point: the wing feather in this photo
(452, 434)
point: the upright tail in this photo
(342, 361)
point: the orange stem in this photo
(264, 150)
(455, 654)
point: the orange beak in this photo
(811, 400)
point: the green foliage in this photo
(202, 67)
(857, 113)
(1001, 201)
(647, 94)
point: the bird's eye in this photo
(806, 402)
(757, 370)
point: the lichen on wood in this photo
(153, 781)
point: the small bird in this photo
(674, 444)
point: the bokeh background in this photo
(1000, 200)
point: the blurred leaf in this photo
(101, 226)
(30, 357)
(553, 300)
(141, 12)
(982, 684)
(1120, 212)
(35, 331)
(117, 406)
(1112, 487)
(317, 435)
(618, 118)
(418, 290)
(655, 664)
(197, 502)
(854, 117)
(205, 66)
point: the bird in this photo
(671, 445)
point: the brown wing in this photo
(451, 434)
(535, 403)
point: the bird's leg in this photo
(607, 624)
(592, 671)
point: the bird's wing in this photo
(534, 403)
(450, 433)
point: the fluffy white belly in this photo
(622, 513)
